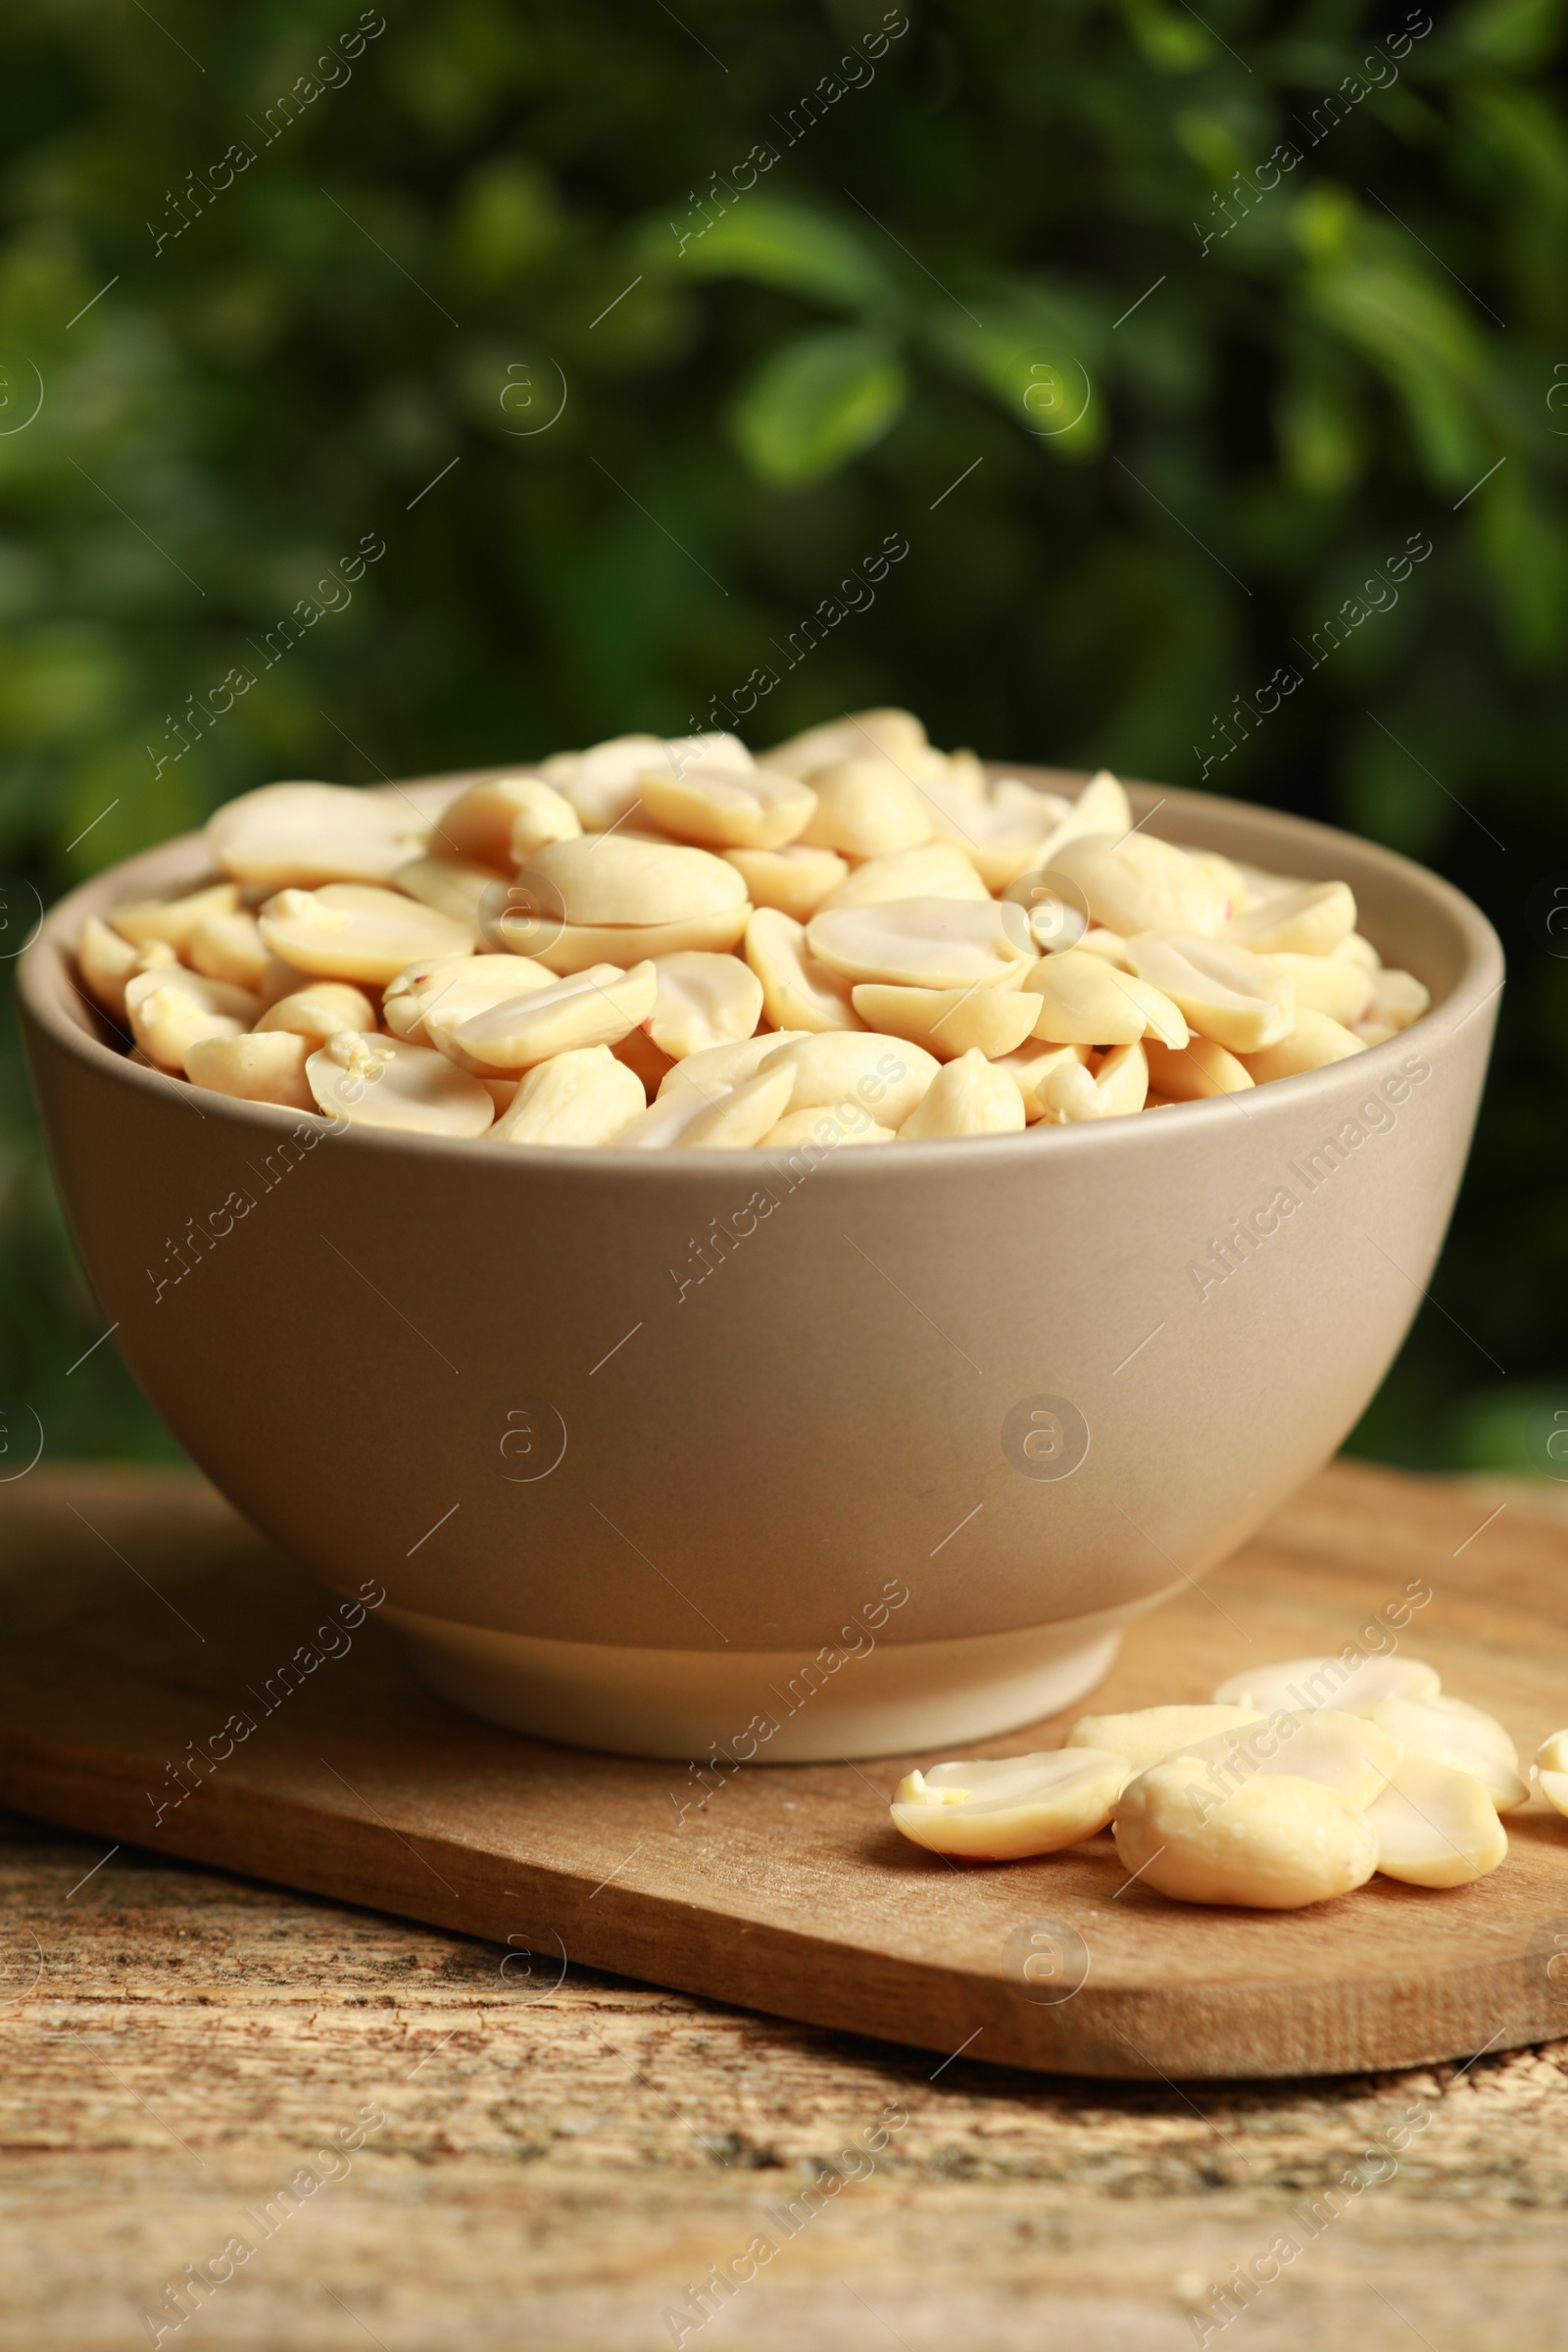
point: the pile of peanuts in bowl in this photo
(1300, 1782)
(650, 945)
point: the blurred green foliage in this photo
(1153, 333)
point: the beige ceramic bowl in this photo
(891, 1472)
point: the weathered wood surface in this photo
(562, 2161)
(141, 1613)
(557, 2168)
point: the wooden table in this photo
(558, 2164)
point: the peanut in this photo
(1006, 1810)
(355, 931)
(1273, 1844)
(1435, 1826)
(580, 1097)
(967, 1097)
(295, 836)
(386, 1082)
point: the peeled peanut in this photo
(542, 814)
(949, 1021)
(108, 961)
(1242, 1002)
(1330, 984)
(798, 991)
(1397, 999)
(1085, 1001)
(1274, 1844)
(1449, 1731)
(1435, 1826)
(886, 1075)
(897, 734)
(319, 1011)
(1140, 884)
(1343, 1752)
(172, 920)
(935, 870)
(1313, 1043)
(1551, 1770)
(386, 1082)
(742, 1115)
(742, 808)
(726, 1115)
(601, 784)
(1195, 1072)
(576, 946)
(591, 1008)
(1308, 921)
(867, 807)
(1098, 941)
(604, 879)
(437, 992)
(478, 825)
(967, 1097)
(795, 880)
(824, 1127)
(1005, 1810)
(581, 1098)
(1226, 875)
(298, 835)
(1032, 1066)
(1150, 1734)
(169, 1008)
(267, 1066)
(1056, 920)
(721, 1066)
(229, 946)
(700, 1002)
(1112, 1087)
(1001, 832)
(1294, 1683)
(452, 886)
(353, 931)
(923, 943)
(1100, 810)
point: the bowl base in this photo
(768, 1706)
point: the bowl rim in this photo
(50, 995)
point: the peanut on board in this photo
(1273, 1844)
(1268, 1799)
(685, 910)
(1006, 1810)
(1551, 1769)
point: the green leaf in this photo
(818, 403)
(1038, 354)
(775, 242)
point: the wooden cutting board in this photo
(141, 1615)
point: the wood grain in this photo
(140, 1612)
